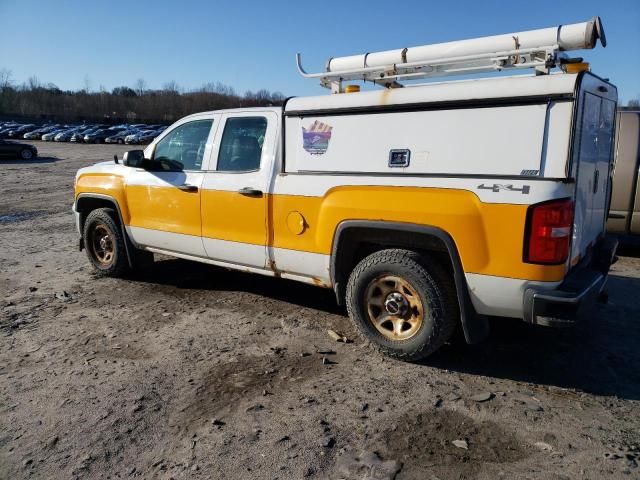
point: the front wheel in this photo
(402, 303)
(105, 243)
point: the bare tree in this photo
(171, 87)
(634, 102)
(87, 83)
(209, 87)
(140, 86)
(33, 83)
(45, 100)
(5, 78)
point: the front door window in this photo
(183, 148)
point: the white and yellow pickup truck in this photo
(423, 206)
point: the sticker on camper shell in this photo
(315, 139)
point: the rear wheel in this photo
(105, 244)
(402, 303)
(26, 154)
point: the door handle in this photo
(250, 192)
(188, 188)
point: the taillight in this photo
(548, 232)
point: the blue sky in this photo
(252, 45)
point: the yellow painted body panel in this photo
(105, 184)
(234, 217)
(489, 236)
(168, 209)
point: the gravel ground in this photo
(192, 371)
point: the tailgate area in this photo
(592, 162)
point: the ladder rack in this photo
(519, 51)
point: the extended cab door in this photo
(164, 197)
(235, 189)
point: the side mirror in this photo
(133, 158)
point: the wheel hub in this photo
(396, 304)
(102, 246)
(394, 307)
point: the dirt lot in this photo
(191, 371)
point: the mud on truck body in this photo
(422, 206)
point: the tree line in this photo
(39, 101)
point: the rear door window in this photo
(241, 145)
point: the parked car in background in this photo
(19, 131)
(6, 127)
(99, 136)
(78, 136)
(144, 136)
(139, 133)
(92, 136)
(48, 137)
(150, 136)
(624, 213)
(132, 138)
(65, 135)
(120, 136)
(37, 134)
(4, 131)
(24, 151)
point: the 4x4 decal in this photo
(496, 187)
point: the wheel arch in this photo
(355, 239)
(87, 202)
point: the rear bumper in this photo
(580, 290)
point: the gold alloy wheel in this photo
(102, 244)
(394, 307)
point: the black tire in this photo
(102, 224)
(120, 141)
(429, 280)
(26, 154)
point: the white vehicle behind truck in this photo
(423, 207)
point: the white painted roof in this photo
(476, 89)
